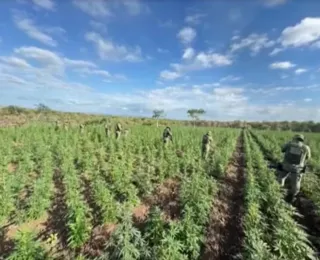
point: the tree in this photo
(157, 114)
(195, 114)
(42, 108)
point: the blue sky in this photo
(238, 60)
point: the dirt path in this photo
(224, 233)
(309, 218)
(56, 222)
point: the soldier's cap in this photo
(299, 137)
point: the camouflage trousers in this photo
(294, 181)
(166, 140)
(118, 134)
(205, 151)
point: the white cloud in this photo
(98, 26)
(275, 51)
(96, 8)
(235, 37)
(107, 50)
(160, 50)
(45, 57)
(135, 7)
(15, 62)
(11, 79)
(45, 4)
(187, 35)
(300, 71)
(79, 63)
(169, 75)
(273, 3)
(195, 18)
(230, 78)
(307, 100)
(188, 53)
(303, 33)
(27, 26)
(282, 65)
(254, 42)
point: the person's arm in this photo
(308, 156)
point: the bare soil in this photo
(166, 197)
(224, 233)
(309, 219)
(89, 198)
(56, 222)
(99, 236)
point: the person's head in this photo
(209, 133)
(168, 128)
(299, 137)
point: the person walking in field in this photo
(107, 129)
(296, 154)
(125, 132)
(206, 144)
(118, 130)
(81, 128)
(167, 135)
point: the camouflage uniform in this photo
(118, 130)
(296, 153)
(126, 132)
(57, 126)
(167, 135)
(107, 129)
(81, 128)
(206, 144)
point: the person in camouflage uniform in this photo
(167, 135)
(125, 132)
(81, 128)
(118, 130)
(296, 153)
(206, 144)
(107, 129)
(57, 126)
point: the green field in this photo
(71, 195)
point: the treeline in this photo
(44, 113)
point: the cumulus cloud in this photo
(188, 53)
(254, 42)
(195, 18)
(186, 35)
(169, 75)
(282, 65)
(300, 71)
(45, 4)
(107, 50)
(33, 31)
(301, 34)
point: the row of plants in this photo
(270, 229)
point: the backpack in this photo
(205, 139)
(295, 154)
